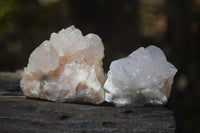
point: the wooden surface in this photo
(20, 114)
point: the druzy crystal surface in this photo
(144, 77)
(68, 67)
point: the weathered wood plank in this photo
(21, 114)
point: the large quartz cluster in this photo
(68, 67)
(144, 77)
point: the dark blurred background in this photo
(123, 25)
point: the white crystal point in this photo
(144, 77)
(66, 68)
(43, 55)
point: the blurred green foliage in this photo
(8, 8)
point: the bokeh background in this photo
(123, 25)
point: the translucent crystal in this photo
(144, 77)
(68, 67)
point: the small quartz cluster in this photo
(68, 67)
(144, 77)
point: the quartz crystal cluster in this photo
(144, 77)
(68, 67)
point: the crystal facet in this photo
(144, 77)
(68, 67)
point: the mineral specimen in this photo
(144, 77)
(68, 67)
